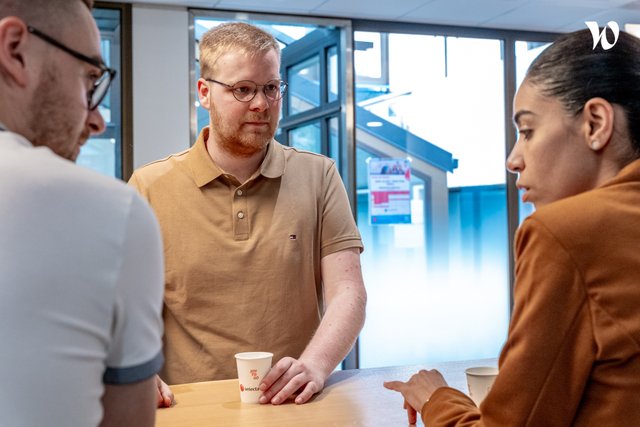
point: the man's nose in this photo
(260, 102)
(95, 122)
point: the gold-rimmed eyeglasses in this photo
(246, 90)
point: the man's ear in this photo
(598, 115)
(203, 93)
(13, 41)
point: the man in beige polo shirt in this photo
(262, 251)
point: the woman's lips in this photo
(524, 191)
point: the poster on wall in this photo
(389, 191)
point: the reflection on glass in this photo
(439, 287)
(304, 85)
(306, 138)
(332, 74)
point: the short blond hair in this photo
(233, 36)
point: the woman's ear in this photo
(598, 115)
(13, 43)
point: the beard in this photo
(241, 142)
(53, 122)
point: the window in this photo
(438, 283)
(104, 153)
(434, 102)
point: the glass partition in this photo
(437, 278)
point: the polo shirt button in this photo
(239, 192)
(240, 214)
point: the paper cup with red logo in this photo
(480, 379)
(252, 367)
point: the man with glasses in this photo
(261, 248)
(81, 270)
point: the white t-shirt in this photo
(81, 284)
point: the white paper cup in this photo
(252, 367)
(479, 380)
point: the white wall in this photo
(160, 82)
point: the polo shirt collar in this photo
(204, 169)
(273, 164)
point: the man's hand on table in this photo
(417, 390)
(165, 395)
(288, 376)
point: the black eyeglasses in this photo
(246, 90)
(101, 86)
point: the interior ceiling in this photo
(531, 15)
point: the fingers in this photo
(165, 395)
(394, 385)
(289, 388)
(279, 376)
(286, 385)
(311, 389)
(276, 372)
(417, 390)
(282, 383)
(160, 400)
(405, 390)
(412, 414)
